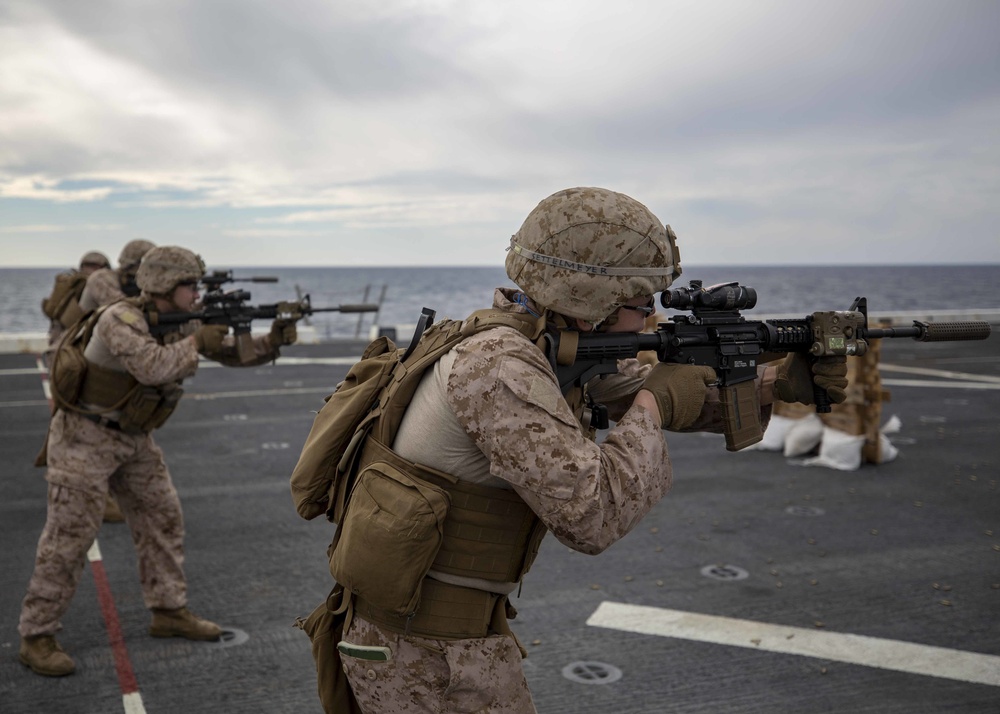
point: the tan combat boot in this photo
(182, 623)
(44, 656)
(112, 512)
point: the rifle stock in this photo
(715, 334)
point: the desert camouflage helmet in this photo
(132, 253)
(583, 252)
(165, 266)
(95, 257)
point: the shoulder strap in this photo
(438, 339)
(528, 325)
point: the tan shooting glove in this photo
(796, 374)
(283, 332)
(208, 339)
(679, 390)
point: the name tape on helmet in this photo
(667, 270)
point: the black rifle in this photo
(717, 335)
(231, 308)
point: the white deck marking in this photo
(291, 362)
(209, 364)
(94, 553)
(939, 385)
(133, 703)
(318, 392)
(27, 403)
(852, 649)
(944, 373)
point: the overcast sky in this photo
(323, 132)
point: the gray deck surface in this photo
(887, 536)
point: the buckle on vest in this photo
(103, 421)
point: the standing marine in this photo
(104, 287)
(107, 285)
(62, 306)
(100, 440)
(490, 455)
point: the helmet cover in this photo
(95, 257)
(163, 267)
(583, 252)
(132, 253)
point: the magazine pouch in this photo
(389, 537)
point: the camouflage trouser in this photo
(85, 461)
(432, 676)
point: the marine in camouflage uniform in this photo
(70, 309)
(491, 412)
(91, 454)
(107, 286)
(103, 288)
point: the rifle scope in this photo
(232, 296)
(722, 297)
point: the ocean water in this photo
(457, 291)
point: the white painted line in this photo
(318, 392)
(944, 373)
(133, 703)
(290, 362)
(94, 553)
(939, 385)
(209, 364)
(852, 649)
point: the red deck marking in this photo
(126, 677)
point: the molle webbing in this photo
(106, 388)
(489, 533)
(63, 304)
(435, 341)
(446, 612)
(71, 314)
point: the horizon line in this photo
(500, 265)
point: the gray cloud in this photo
(772, 131)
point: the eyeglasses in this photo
(188, 283)
(647, 309)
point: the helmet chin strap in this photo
(599, 326)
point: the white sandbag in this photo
(887, 452)
(838, 450)
(892, 425)
(803, 436)
(774, 435)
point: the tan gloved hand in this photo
(283, 332)
(208, 339)
(679, 390)
(797, 373)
